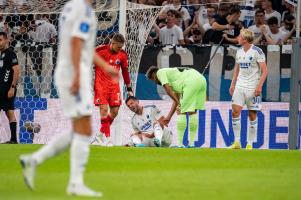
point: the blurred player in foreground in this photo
(147, 124)
(106, 90)
(250, 73)
(187, 88)
(73, 78)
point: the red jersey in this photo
(118, 60)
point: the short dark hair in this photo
(234, 9)
(289, 17)
(174, 12)
(259, 11)
(3, 34)
(117, 37)
(130, 98)
(150, 71)
(272, 21)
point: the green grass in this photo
(155, 173)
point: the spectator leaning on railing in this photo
(225, 26)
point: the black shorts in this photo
(7, 103)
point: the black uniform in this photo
(8, 59)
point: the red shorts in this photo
(107, 96)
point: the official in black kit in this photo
(9, 74)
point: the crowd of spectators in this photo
(210, 21)
(180, 22)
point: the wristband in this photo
(129, 89)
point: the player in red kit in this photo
(107, 93)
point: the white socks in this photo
(158, 131)
(79, 154)
(252, 131)
(54, 147)
(236, 128)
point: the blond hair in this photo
(247, 35)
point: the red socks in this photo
(106, 124)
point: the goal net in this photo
(32, 27)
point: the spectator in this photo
(171, 33)
(273, 35)
(225, 26)
(211, 13)
(44, 36)
(259, 22)
(291, 8)
(176, 5)
(289, 28)
(269, 12)
(289, 23)
(153, 37)
(193, 34)
(248, 13)
(205, 12)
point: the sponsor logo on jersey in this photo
(84, 27)
(117, 62)
(147, 125)
(244, 65)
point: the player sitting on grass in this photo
(147, 124)
(187, 88)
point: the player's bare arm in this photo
(234, 79)
(76, 46)
(264, 73)
(175, 103)
(16, 69)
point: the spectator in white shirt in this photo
(273, 35)
(171, 33)
(269, 12)
(289, 23)
(176, 5)
(259, 22)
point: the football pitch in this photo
(123, 173)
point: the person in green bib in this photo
(187, 88)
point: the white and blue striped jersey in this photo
(145, 122)
(249, 69)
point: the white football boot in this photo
(82, 190)
(29, 170)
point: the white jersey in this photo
(145, 122)
(249, 69)
(77, 20)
